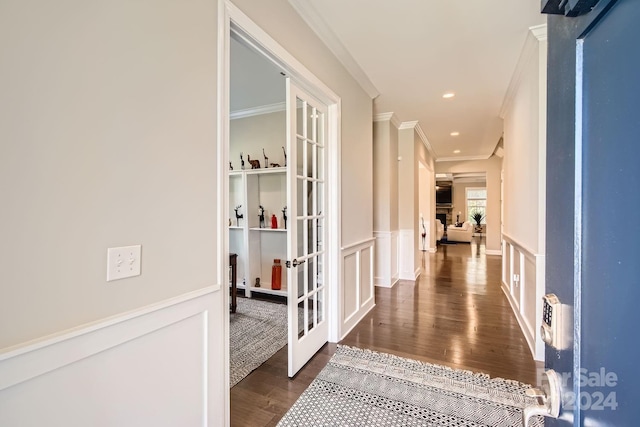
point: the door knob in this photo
(295, 263)
(549, 396)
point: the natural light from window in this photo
(476, 203)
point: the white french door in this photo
(306, 254)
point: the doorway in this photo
(312, 188)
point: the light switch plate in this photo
(123, 262)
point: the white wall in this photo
(424, 205)
(107, 122)
(524, 150)
(249, 135)
(385, 198)
(385, 177)
(413, 152)
(492, 167)
(107, 118)
(108, 130)
(524, 113)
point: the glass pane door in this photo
(306, 137)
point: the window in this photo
(476, 203)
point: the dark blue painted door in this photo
(593, 209)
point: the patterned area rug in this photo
(366, 388)
(257, 330)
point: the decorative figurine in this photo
(241, 161)
(285, 157)
(261, 216)
(255, 164)
(266, 159)
(284, 216)
(257, 284)
(230, 166)
(238, 215)
(275, 165)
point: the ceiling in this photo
(254, 81)
(408, 53)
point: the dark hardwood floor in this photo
(454, 315)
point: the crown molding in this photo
(535, 36)
(416, 126)
(462, 158)
(313, 19)
(383, 117)
(256, 111)
(408, 125)
(539, 32)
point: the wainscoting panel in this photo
(523, 284)
(386, 259)
(351, 285)
(366, 269)
(407, 255)
(160, 365)
(358, 297)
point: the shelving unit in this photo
(257, 246)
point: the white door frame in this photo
(230, 17)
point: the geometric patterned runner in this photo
(367, 388)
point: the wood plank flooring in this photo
(454, 315)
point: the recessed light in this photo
(456, 151)
(448, 95)
(455, 133)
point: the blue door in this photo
(593, 207)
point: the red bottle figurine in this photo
(274, 222)
(276, 275)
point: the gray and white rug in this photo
(257, 330)
(366, 388)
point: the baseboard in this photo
(493, 252)
(379, 282)
(353, 322)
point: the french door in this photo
(306, 198)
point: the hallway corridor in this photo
(454, 315)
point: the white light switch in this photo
(123, 262)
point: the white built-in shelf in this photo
(267, 229)
(257, 247)
(261, 171)
(265, 288)
(264, 171)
